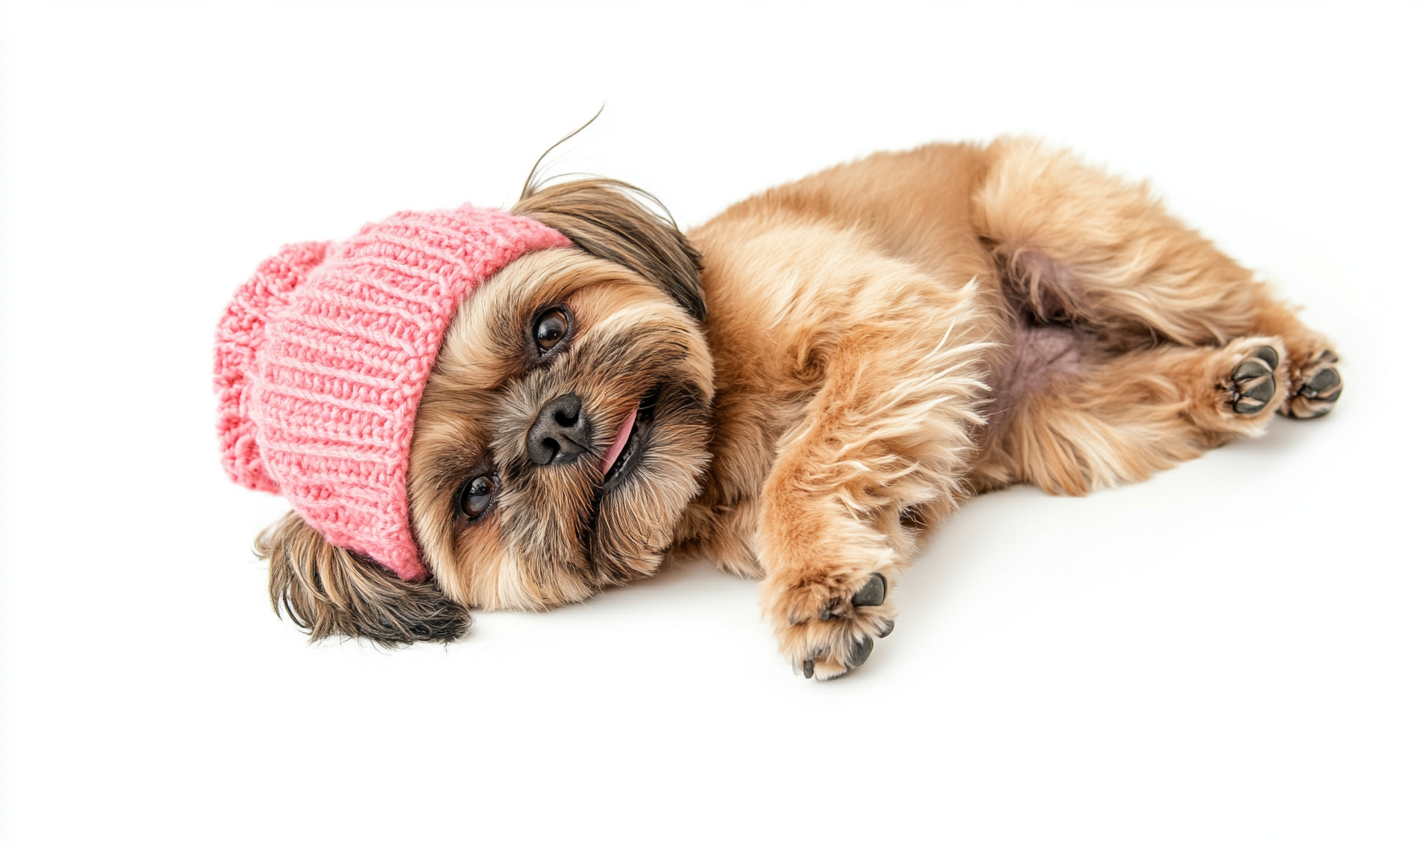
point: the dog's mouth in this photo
(627, 448)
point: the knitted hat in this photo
(322, 357)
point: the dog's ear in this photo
(607, 219)
(328, 591)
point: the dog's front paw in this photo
(827, 622)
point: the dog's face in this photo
(561, 435)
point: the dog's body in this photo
(868, 347)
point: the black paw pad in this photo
(859, 652)
(872, 594)
(1254, 382)
(1325, 386)
(1317, 395)
(886, 629)
(808, 668)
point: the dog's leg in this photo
(1083, 247)
(882, 452)
(1121, 417)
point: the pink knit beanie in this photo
(322, 357)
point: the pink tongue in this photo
(618, 443)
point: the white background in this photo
(1229, 654)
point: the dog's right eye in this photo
(550, 329)
(477, 496)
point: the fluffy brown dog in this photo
(862, 350)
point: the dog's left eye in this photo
(477, 496)
(550, 329)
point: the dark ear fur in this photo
(606, 219)
(328, 591)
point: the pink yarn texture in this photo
(322, 356)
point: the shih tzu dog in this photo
(474, 408)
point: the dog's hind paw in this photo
(1315, 387)
(1253, 381)
(828, 625)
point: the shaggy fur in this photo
(861, 351)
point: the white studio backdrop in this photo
(1228, 654)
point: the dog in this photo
(798, 390)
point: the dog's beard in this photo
(632, 520)
(559, 531)
(604, 528)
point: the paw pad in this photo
(860, 652)
(1320, 387)
(872, 594)
(1254, 382)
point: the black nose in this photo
(560, 433)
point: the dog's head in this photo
(559, 436)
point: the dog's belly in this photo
(1040, 353)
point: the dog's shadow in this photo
(1013, 551)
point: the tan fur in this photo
(328, 591)
(880, 341)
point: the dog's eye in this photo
(477, 496)
(550, 329)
